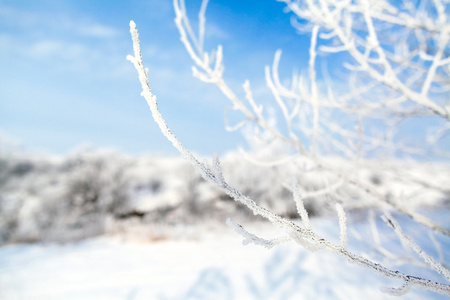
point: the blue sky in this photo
(65, 82)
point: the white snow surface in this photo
(214, 266)
(179, 251)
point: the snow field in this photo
(214, 266)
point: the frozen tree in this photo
(397, 55)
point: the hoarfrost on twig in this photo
(334, 22)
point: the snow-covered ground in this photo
(108, 226)
(214, 266)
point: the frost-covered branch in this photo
(386, 84)
(204, 61)
(389, 220)
(303, 236)
(343, 19)
(303, 114)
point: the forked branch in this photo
(304, 236)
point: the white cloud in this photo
(18, 18)
(97, 30)
(214, 31)
(64, 43)
(34, 22)
(56, 49)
